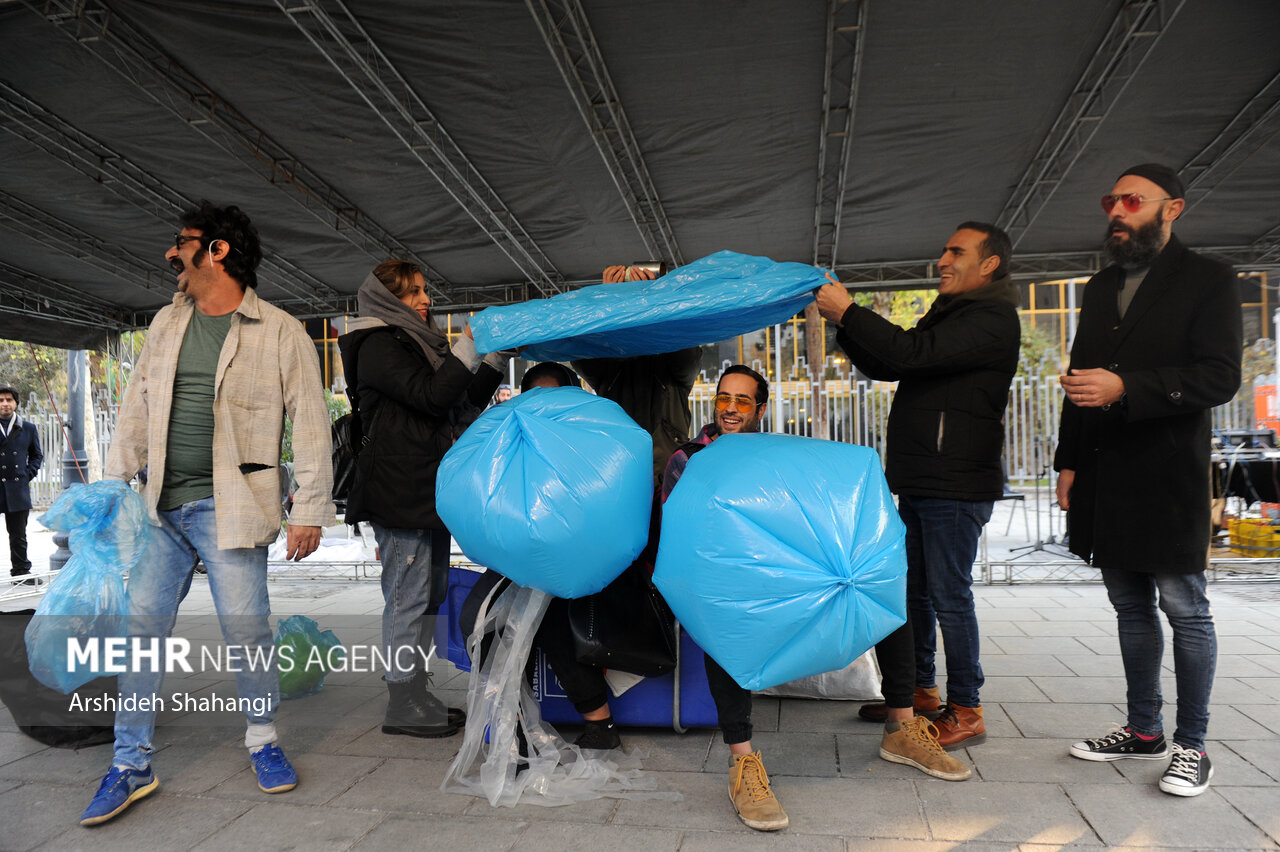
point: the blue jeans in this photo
(415, 575)
(1195, 648)
(159, 583)
(942, 541)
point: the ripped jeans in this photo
(415, 576)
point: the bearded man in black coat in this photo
(1157, 347)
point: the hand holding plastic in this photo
(716, 298)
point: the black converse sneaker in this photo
(1188, 773)
(1119, 744)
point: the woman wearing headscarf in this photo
(414, 394)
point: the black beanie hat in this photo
(1162, 176)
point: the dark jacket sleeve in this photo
(947, 347)
(597, 372)
(35, 456)
(386, 367)
(483, 385)
(1211, 375)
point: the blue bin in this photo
(652, 702)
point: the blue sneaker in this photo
(119, 789)
(275, 773)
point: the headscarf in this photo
(378, 307)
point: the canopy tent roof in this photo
(515, 149)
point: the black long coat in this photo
(20, 459)
(410, 414)
(1140, 500)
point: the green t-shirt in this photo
(188, 469)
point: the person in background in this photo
(20, 460)
(414, 394)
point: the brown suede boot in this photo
(913, 743)
(960, 726)
(927, 704)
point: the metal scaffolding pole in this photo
(357, 58)
(141, 62)
(1133, 35)
(568, 35)
(1231, 147)
(25, 293)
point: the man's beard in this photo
(1142, 247)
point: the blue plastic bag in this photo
(783, 556)
(303, 655)
(716, 298)
(552, 489)
(108, 534)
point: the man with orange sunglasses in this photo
(1158, 346)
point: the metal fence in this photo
(856, 412)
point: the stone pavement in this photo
(1053, 676)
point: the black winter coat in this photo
(410, 415)
(1140, 500)
(20, 460)
(953, 369)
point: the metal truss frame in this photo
(846, 23)
(356, 57)
(25, 293)
(94, 159)
(1129, 41)
(568, 36)
(139, 60)
(1226, 151)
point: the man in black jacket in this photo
(1158, 345)
(20, 459)
(945, 436)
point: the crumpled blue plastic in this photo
(552, 489)
(108, 534)
(716, 298)
(782, 556)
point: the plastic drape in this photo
(108, 533)
(489, 763)
(783, 556)
(552, 489)
(715, 298)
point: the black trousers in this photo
(897, 658)
(16, 524)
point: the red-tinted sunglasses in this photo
(1132, 201)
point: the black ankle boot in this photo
(421, 680)
(407, 714)
(600, 734)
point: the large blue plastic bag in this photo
(716, 298)
(782, 556)
(552, 489)
(108, 534)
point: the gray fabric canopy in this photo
(447, 131)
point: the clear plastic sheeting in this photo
(782, 556)
(551, 772)
(552, 489)
(108, 532)
(715, 298)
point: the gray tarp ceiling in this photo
(449, 131)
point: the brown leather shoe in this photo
(960, 726)
(927, 704)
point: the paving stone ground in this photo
(1053, 676)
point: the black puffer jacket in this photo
(953, 370)
(410, 415)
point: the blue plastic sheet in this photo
(552, 489)
(108, 534)
(716, 298)
(783, 556)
